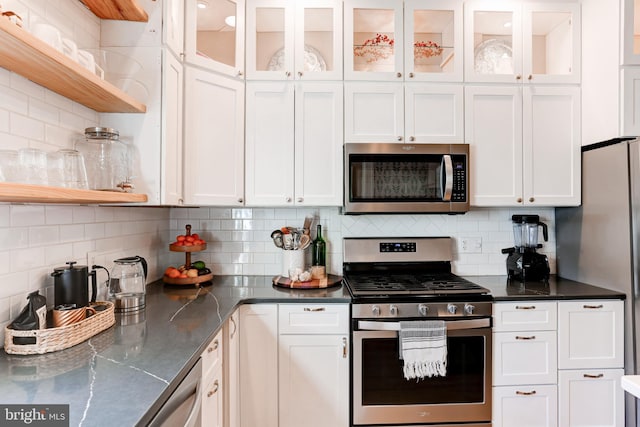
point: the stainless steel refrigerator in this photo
(599, 242)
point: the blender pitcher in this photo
(525, 231)
(127, 284)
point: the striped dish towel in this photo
(423, 347)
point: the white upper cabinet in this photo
(214, 35)
(421, 41)
(522, 42)
(631, 32)
(294, 39)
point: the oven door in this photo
(381, 394)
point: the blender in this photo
(523, 262)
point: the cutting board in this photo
(330, 281)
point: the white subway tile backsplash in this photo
(83, 214)
(58, 254)
(27, 215)
(43, 112)
(4, 121)
(39, 236)
(26, 127)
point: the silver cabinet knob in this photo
(469, 308)
(452, 308)
(531, 199)
(240, 200)
(518, 77)
(393, 310)
(398, 75)
(412, 138)
(300, 199)
(423, 309)
(288, 199)
(399, 138)
(299, 73)
(529, 77)
(287, 73)
(239, 73)
(375, 310)
(410, 75)
(519, 200)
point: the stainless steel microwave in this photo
(406, 178)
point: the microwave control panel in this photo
(459, 193)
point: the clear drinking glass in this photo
(34, 164)
(55, 169)
(75, 172)
(10, 165)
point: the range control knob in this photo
(423, 309)
(452, 308)
(375, 310)
(393, 310)
(469, 308)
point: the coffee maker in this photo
(523, 262)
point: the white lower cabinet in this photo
(525, 368)
(570, 381)
(314, 365)
(294, 365)
(212, 383)
(259, 365)
(517, 406)
(591, 398)
(232, 370)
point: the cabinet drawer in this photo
(525, 316)
(525, 358)
(525, 405)
(212, 355)
(313, 318)
(591, 334)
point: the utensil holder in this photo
(291, 260)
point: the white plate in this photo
(313, 60)
(493, 56)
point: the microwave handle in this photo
(447, 176)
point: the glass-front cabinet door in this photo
(290, 39)
(631, 32)
(433, 40)
(493, 42)
(214, 35)
(529, 43)
(373, 40)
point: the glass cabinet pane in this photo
(270, 39)
(433, 41)
(318, 39)
(216, 31)
(551, 43)
(493, 42)
(373, 40)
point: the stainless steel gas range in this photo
(393, 280)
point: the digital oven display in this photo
(398, 247)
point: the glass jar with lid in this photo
(107, 159)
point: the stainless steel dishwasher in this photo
(184, 406)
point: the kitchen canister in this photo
(106, 159)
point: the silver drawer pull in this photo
(314, 309)
(215, 389)
(593, 376)
(214, 347)
(533, 337)
(593, 307)
(525, 307)
(526, 393)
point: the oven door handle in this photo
(372, 325)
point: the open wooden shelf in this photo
(27, 55)
(124, 10)
(27, 193)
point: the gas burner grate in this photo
(446, 284)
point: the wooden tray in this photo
(187, 280)
(194, 248)
(285, 282)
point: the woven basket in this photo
(54, 339)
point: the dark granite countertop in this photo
(557, 288)
(136, 364)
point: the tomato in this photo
(188, 243)
(180, 238)
(195, 236)
(172, 272)
(198, 242)
(183, 275)
(179, 243)
(189, 239)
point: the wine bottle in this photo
(319, 255)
